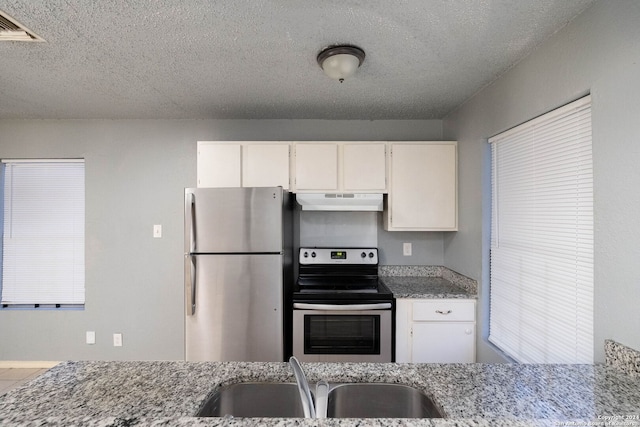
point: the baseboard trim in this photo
(28, 364)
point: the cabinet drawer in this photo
(444, 310)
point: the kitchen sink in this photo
(345, 400)
(379, 400)
(254, 400)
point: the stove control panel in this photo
(356, 256)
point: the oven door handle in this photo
(342, 307)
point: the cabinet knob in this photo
(443, 312)
(468, 331)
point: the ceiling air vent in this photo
(12, 30)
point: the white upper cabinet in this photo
(316, 166)
(364, 167)
(423, 187)
(243, 164)
(219, 164)
(349, 167)
(265, 165)
(420, 177)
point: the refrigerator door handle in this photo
(191, 217)
(190, 260)
(193, 285)
(190, 283)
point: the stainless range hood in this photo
(340, 201)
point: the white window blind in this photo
(542, 238)
(43, 233)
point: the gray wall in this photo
(597, 53)
(135, 174)
(367, 229)
(426, 247)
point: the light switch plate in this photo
(157, 231)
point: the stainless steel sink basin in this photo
(379, 400)
(349, 400)
(254, 400)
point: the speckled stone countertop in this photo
(170, 393)
(424, 287)
(427, 282)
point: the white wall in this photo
(597, 53)
(136, 171)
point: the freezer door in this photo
(224, 220)
(238, 309)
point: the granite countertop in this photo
(427, 282)
(425, 287)
(170, 393)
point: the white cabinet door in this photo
(403, 330)
(265, 165)
(364, 167)
(443, 342)
(435, 331)
(423, 187)
(219, 164)
(316, 166)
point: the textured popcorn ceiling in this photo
(256, 59)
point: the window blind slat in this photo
(541, 269)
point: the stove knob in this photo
(306, 254)
(363, 255)
(370, 254)
(313, 254)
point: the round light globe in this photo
(339, 67)
(340, 62)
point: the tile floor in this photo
(11, 378)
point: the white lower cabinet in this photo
(435, 331)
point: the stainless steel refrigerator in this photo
(238, 258)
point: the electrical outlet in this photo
(157, 231)
(406, 249)
(117, 340)
(91, 337)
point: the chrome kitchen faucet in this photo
(303, 387)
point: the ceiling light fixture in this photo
(340, 62)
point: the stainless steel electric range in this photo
(341, 311)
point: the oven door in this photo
(342, 333)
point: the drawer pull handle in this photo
(443, 312)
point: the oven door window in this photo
(342, 334)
